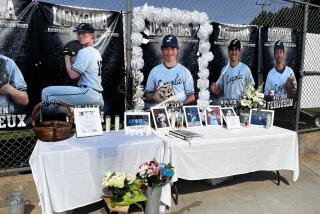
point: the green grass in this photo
(15, 134)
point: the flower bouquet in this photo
(250, 98)
(154, 175)
(120, 190)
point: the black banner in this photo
(55, 26)
(16, 49)
(291, 39)
(188, 47)
(33, 34)
(220, 38)
(284, 106)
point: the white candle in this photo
(173, 120)
(108, 124)
(116, 123)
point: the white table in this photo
(68, 174)
(225, 152)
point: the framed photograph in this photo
(192, 115)
(87, 121)
(160, 118)
(136, 119)
(228, 111)
(213, 116)
(259, 117)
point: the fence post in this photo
(129, 10)
(304, 35)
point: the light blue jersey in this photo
(179, 76)
(276, 80)
(233, 80)
(17, 81)
(88, 63)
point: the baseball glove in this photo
(72, 48)
(163, 93)
(4, 77)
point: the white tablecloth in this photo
(68, 174)
(225, 152)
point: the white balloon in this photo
(138, 25)
(136, 39)
(137, 52)
(208, 56)
(204, 47)
(137, 63)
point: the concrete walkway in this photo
(249, 193)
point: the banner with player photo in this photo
(220, 40)
(281, 91)
(188, 47)
(292, 53)
(55, 27)
(16, 62)
(33, 34)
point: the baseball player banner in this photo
(280, 66)
(220, 40)
(187, 41)
(32, 40)
(280, 85)
(58, 28)
(16, 62)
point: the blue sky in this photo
(224, 11)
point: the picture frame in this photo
(192, 116)
(258, 118)
(88, 122)
(136, 120)
(213, 116)
(160, 118)
(230, 117)
(228, 111)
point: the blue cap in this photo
(170, 41)
(278, 45)
(84, 28)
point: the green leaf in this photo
(131, 198)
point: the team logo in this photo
(169, 39)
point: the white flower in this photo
(129, 178)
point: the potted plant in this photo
(250, 98)
(155, 175)
(120, 190)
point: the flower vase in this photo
(244, 117)
(120, 209)
(153, 202)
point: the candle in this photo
(173, 120)
(116, 123)
(108, 123)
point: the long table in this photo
(223, 152)
(68, 174)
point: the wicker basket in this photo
(53, 130)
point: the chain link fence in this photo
(309, 114)
(16, 146)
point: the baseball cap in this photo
(170, 41)
(235, 43)
(278, 45)
(84, 28)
